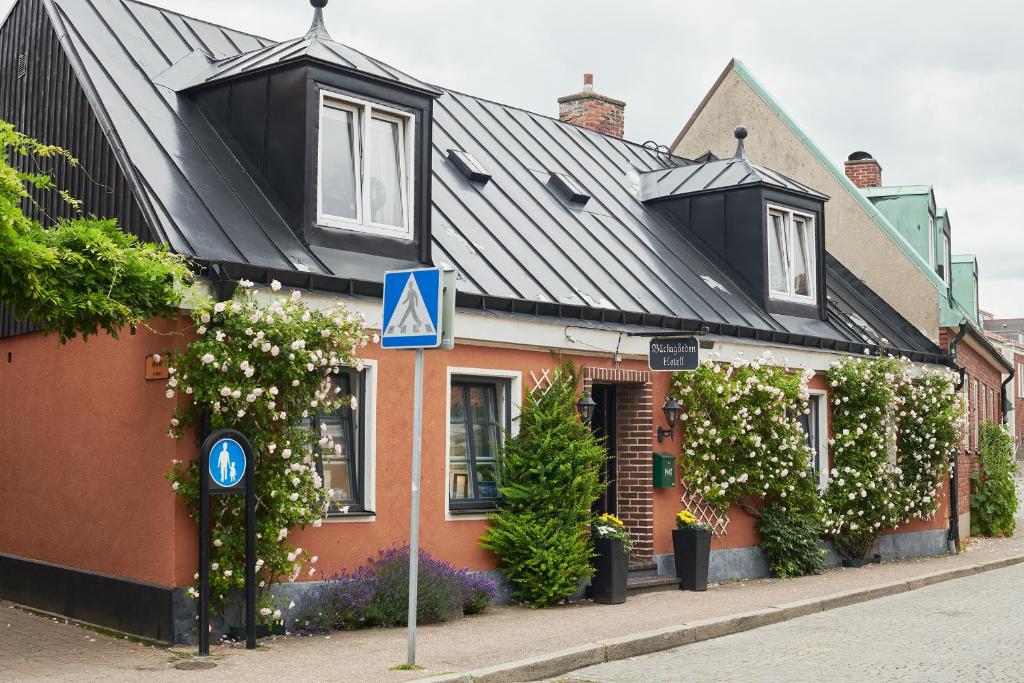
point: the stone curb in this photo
(562, 662)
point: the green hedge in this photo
(994, 501)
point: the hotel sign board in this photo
(672, 354)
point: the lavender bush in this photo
(377, 594)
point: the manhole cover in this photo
(194, 665)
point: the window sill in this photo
(338, 517)
(482, 510)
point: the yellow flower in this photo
(685, 517)
(611, 519)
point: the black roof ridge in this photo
(364, 54)
(203, 21)
(556, 120)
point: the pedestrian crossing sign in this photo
(412, 309)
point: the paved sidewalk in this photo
(35, 648)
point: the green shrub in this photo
(994, 501)
(550, 475)
(791, 540)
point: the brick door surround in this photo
(633, 446)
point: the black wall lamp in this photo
(585, 407)
(671, 410)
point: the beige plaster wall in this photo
(851, 235)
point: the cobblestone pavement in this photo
(970, 629)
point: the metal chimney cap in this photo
(859, 156)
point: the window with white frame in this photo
(1020, 380)
(974, 414)
(365, 167)
(344, 452)
(479, 419)
(947, 258)
(816, 429)
(791, 256)
(932, 260)
(967, 415)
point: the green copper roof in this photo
(840, 176)
(896, 190)
(964, 258)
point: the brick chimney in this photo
(590, 110)
(864, 170)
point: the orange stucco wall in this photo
(84, 453)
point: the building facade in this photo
(312, 164)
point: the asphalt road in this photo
(969, 629)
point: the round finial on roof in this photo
(319, 4)
(740, 132)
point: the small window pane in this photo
(477, 419)
(801, 269)
(776, 254)
(384, 170)
(339, 152)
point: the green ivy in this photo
(550, 475)
(80, 275)
(994, 501)
(263, 368)
(744, 440)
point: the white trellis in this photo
(542, 383)
(704, 513)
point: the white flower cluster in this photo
(742, 436)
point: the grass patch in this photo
(407, 667)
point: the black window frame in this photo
(357, 445)
(475, 503)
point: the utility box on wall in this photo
(664, 470)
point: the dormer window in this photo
(791, 256)
(364, 179)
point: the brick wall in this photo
(988, 379)
(634, 476)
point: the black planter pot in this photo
(692, 548)
(611, 569)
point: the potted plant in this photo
(691, 543)
(611, 560)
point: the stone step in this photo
(648, 584)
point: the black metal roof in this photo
(517, 245)
(715, 176)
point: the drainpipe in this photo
(953, 540)
(1007, 403)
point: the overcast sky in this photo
(934, 89)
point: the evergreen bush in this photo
(550, 475)
(994, 501)
(791, 539)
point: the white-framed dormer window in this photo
(947, 259)
(932, 260)
(364, 169)
(792, 262)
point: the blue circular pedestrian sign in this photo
(227, 463)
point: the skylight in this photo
(571, 190)
(469, 166)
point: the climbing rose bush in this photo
(892, 438)
(742, 436)
(263, 369)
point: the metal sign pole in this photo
(414, 531)
(204, 554)
(250, 556)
